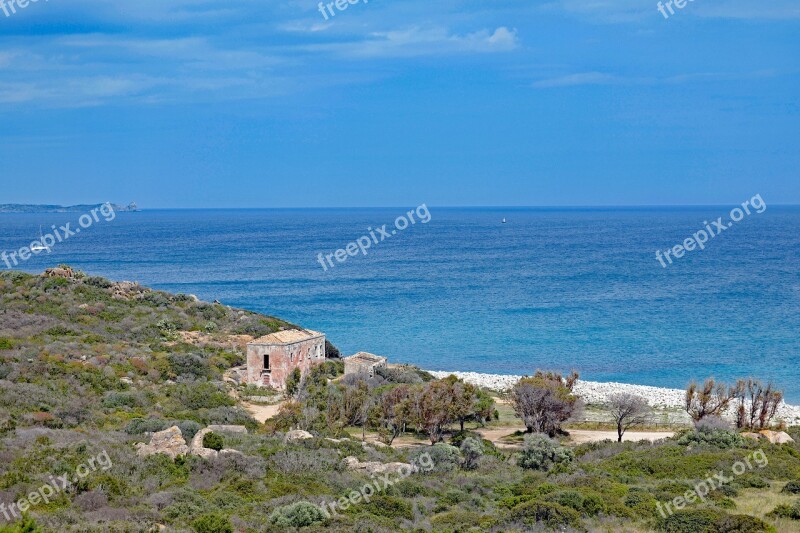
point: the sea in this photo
(551, 288)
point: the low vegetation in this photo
(87, 365)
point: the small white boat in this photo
(505, 221)
(41, 247)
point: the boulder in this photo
(66, 273)
(298, 434)
(754, 436)
(373, 467)
(776, 437)
(197, 448)
(169, 442)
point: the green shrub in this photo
(293, 382)
(742, 523)
(791, 511)
(472, 451)
(213, 441)
(692, 520)
(751, 481)
(6, 343)
(26, 525)
(444, 457)
(717, 438)
(389, 507)
(551, 514)
(540, 452)
(640, 502)
(212, 523)
(568, 498)
(300, 514)
(793, 487)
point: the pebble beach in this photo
(593, 392)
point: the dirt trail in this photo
(577, 436)
(262, 413)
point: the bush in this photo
(212, 523)
(791, 511)
(568, 498)
(751, 481)
(213, 441)
(389, 507)
(6, 344)
(444, 457)
(26, 525)
(472, 450)
(551, 514)
(742, 523)
(293, 382)
(717, 438)
(694, 520)
(542, 453)
(793, 487)
(300, 514)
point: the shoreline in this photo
(595, 392)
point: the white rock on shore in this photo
(594, 392)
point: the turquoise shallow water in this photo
(552, 288)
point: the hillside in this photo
(90, 368)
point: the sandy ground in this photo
(262, 413)
(577, 436)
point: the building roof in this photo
(365, 358)
(287, 336)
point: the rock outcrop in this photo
(298, 434)
(776, 437)
(169, 442)
(197, 448)
(379, 468)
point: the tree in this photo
(392, 412)
(357, 402)
(431, 409)
(293, 382)
(463, 399)
(757, 404)
(544, 402)
(712, 399)
(628, 411)
(331, 351)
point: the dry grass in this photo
(759, 502)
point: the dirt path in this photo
(262, 413)
(577, 436)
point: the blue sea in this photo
(550, 289)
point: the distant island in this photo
(30, 208)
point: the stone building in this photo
(363, 363)
(270, 359)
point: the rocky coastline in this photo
(594, 392)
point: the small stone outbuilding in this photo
(363, 363)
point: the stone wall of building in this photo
(283, 359)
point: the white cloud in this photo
(582, 78)
(418, 41)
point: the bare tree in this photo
(712, 399)
(628, 411)
(757, 404)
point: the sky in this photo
(196, 103)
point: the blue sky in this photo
(193, 103)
